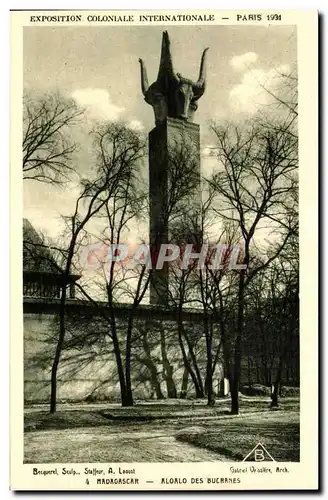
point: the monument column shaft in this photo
(164, 140)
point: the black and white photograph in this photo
(160, 248)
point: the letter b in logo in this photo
(259, 455)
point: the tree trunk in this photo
(59, 347)
(209, 363)
(198, 390)
(184, 383)
(223, 342)
(194, 362)
(234, 387)
(288, 371)
(152, 368)
(167, 369)
(128, 399)
(209, 380)
(249, 372)
(276, 386)
(170, 385)
(275, 394)
(119, 364)
(157, 386)
(238, 346)
(258, 378)
(62, 326)
(118, 357)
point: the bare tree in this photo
(188, 288)
(47, 148)
(218, 290)
(285, 95)
(284, 294)
(118, 203)
(147, 356)
(123, 207)
(254, 185)
(271, 323)
(182, 296)
(110, 176)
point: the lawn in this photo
(70, 416)
(235, 437)
(160, 432)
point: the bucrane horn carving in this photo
(172, 95)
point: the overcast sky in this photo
(98, 67)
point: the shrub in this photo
(256, 390)
(289, 391)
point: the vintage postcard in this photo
(164, 215)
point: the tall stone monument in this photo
(174, 101)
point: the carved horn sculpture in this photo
(144, 79)
(166, 73)
(172, 95)
(199, 87)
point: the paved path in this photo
(103, 444)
